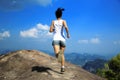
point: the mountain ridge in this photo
(36, 65)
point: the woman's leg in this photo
(56, 49)
(63, 58)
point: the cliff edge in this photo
(35, 65)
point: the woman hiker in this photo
(58, 42)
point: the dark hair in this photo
(58, 12)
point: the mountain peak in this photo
(35, 65)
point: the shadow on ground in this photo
(43, 69)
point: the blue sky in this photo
(94, 25)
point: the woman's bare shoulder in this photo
(53, 21)
(64, 21)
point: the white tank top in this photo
(58, 30)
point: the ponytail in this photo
(58, 12)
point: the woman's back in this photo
(58, 30)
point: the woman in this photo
(58, 43)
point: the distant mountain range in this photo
(4, 51)
(82, 59)
(93, 66)
(78, 58)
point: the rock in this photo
(35, 65)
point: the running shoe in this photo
(62, 69)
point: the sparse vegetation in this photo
(111, 71)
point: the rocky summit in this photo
(35, 65)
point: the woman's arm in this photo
(66, 28)
(52, 27)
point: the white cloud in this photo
(95, 40)
(5, 34)
(42, 27)
(83, 41)
(33, 32)
(92, 41)
(38, 31)
(49, 34)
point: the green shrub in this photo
(111, 70)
